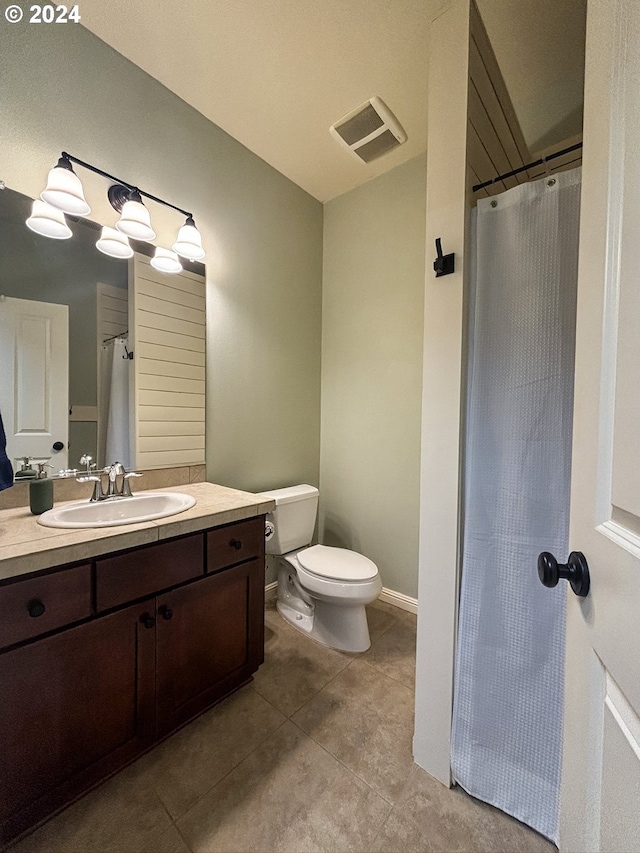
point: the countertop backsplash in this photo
(70, 490)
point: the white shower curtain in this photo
(507, 725)
(113, 432)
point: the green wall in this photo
(372, 320)
(64, 89)
(269, 313)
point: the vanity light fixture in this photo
(166, 261)
(48, 221)
(64, 191)
(114, 244)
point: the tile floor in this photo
(314, 755)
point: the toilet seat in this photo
(338, 564)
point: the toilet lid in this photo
(337, 563)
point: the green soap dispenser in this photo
(26, 472)
(41, 491)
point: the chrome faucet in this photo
(113, 472)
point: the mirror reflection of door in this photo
(34, 380)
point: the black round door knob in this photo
(147, 620)
(166, 613)
(575, 570)
(58, 446)
(36, 608)
(236, 543)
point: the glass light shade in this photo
(135, 221)
(166, 261)
(114, 244)
(65, 192)
(189, 242)
(48, 221)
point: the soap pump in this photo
(25, 472)
(41, 490)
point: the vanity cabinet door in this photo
(74, 707)
(210, 639)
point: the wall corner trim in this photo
(399, 599)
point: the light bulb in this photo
(114, 244)
(64, 190)
(166, 261)
(134, 220)
(48, 221)
(189, 241)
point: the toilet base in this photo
(341, 627)
(302, 621)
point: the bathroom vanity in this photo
(111, 639)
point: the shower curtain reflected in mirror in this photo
(507, 725)
(113, 423)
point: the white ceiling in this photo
(276, 75)
(539, 45)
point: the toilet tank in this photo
(294, 518)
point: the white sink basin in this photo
(145, 506)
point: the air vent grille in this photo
(363, 124)
(378, 146)
(370, 130)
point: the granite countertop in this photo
(26, 546)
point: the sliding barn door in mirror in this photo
(167, 329)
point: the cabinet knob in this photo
(36, 608)
(147, 620)
(236, 543)
(166, 613)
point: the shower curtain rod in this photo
(113, 337)
(540, 162)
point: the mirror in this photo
(70, 286)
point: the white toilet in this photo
(322, 591)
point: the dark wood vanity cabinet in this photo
(209, 638)
(74, 706)
(153, 650)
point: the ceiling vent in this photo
(370, 130)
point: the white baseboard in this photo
(270, 591)
(397, 599)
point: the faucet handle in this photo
(87, 460)
(98, 494)
(126, 485)
(65, 473)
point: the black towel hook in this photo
(443, 264)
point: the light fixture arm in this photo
(129, 186)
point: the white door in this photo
(600, 801)
(34, 379)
